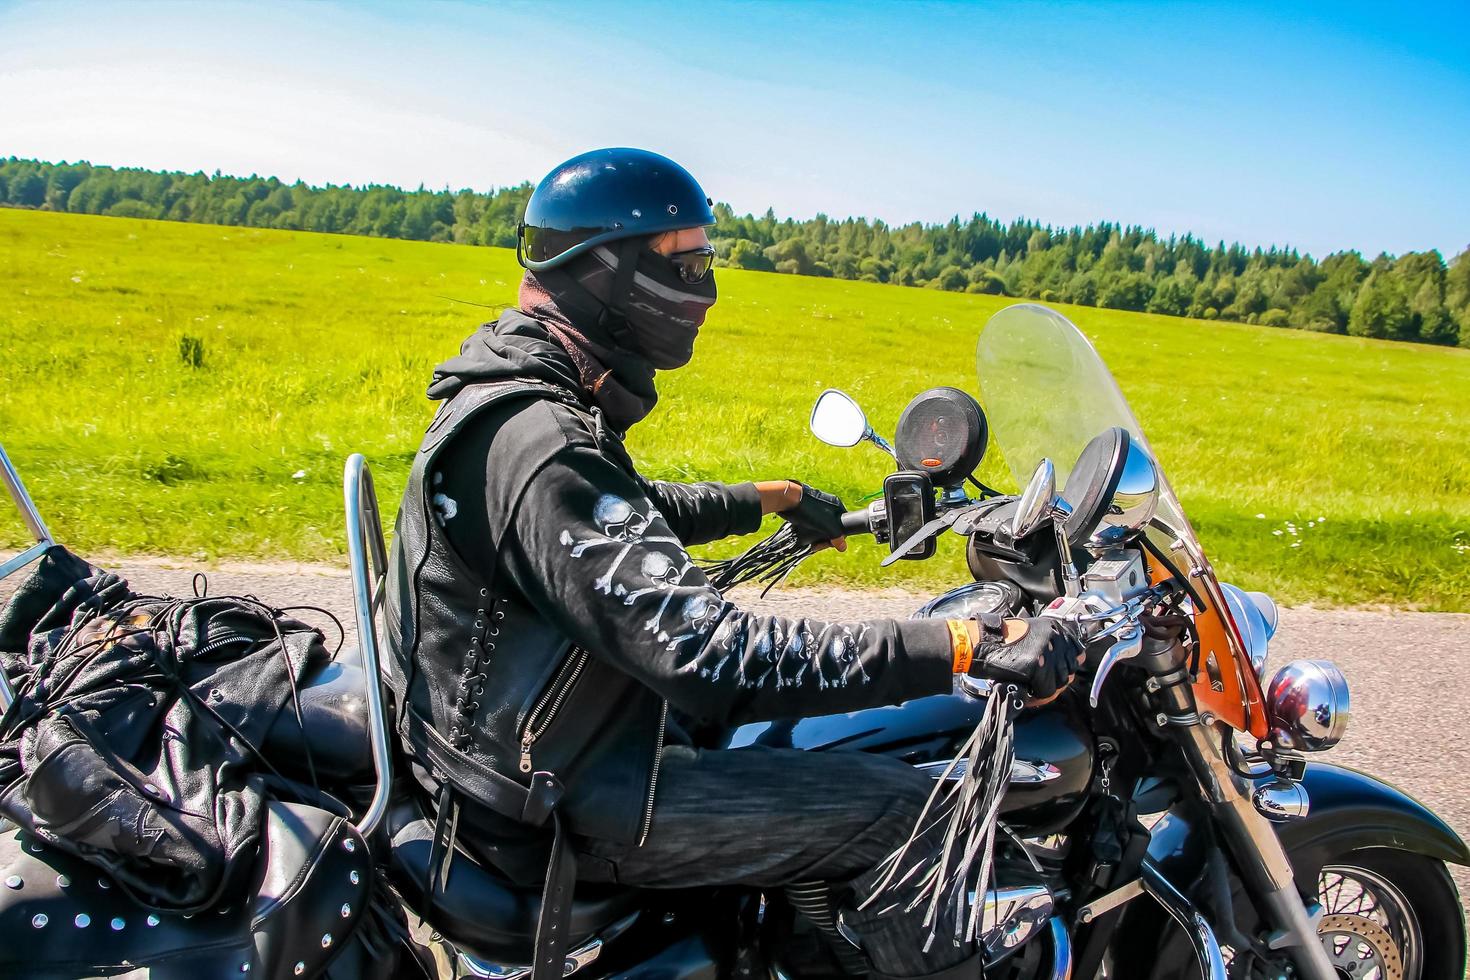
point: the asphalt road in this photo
(1407, 671)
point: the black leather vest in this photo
(486, 688)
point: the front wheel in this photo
(1386, 915)
(1389, 914)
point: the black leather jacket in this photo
(545, 618)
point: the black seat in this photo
(481, 912)
(333, 728)
(62, 917)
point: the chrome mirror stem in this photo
(877, 440)
(1071, 580)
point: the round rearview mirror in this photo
(1134, 500)
(1036, 500)
(837, 420)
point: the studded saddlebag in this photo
(301, 912)
(134, 741)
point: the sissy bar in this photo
(37, 527)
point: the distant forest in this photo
(1415, 296)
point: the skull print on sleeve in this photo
(592, 552)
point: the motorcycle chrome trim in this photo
(22, 498)
(1116, 576)
(975, 687)
(16, 563)
(1128, 645)
(1282, 800)
(1308, 705)
(1116, 898)
(1201, 936)
(1071, 580)
(1091, 608)
(1012, 916)
(576, 960)
(1028, 773)
(1252, 839)
(1023, 772)
(367, 556)
(32, 519)
(471, 967)
(1061, 950)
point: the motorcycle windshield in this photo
(1046, 393)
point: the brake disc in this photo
(1360, 948)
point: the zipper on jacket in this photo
(550, 702)
(658, 758)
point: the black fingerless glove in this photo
(1041, 661)
(817, 518)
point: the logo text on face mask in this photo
(662, 313)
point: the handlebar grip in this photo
(857, 522)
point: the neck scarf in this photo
(618, 382)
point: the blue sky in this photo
(1326, 127)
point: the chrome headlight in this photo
(1308, 705)
(1255, 616)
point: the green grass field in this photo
(315, 346)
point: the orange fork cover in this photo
(1234, 695)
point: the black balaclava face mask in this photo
(649, 310)
(663, 311)
(617, 354)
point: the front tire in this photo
(1402, 908)
(1392, 912)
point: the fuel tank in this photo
(1054, 747)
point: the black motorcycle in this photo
(1161, 817)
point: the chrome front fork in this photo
(1252, 839)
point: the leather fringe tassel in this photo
(963, 810)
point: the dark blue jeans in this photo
(772, 817)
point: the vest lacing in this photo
(472, 677)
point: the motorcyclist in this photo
(545, 616)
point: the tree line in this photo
(1416, 296)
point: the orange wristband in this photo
(959, 640)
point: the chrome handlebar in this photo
(1096, 618)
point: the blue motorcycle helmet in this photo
(604, 196)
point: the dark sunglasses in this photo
(694, 265)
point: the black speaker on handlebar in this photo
(941, 433)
